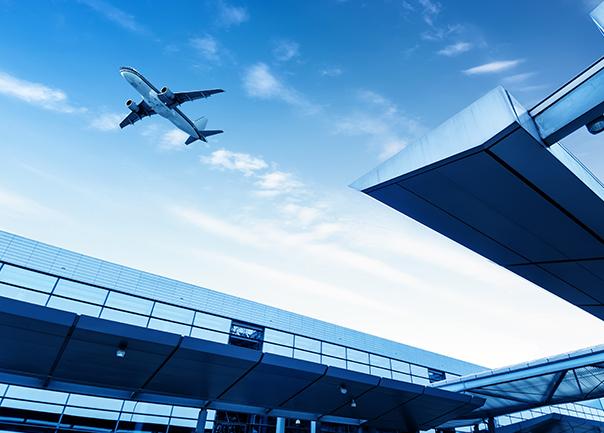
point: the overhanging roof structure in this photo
(554, 423)
(570, 377)
(58, 350)
(493, 179)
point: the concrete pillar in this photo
(280, 425)
(201, 421)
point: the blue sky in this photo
(317, 93)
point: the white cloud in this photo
(276, 183)
(302, 215)
(19, 206)
(230, 15)
(286, 50)
(518, 78)
(455, 49)
(207, 46)
(493, 67)
(36, 94)
(242, 162)
(331, 72)
(173, 139)
(115, 15)
(389, 130)
(107, 122)
(431, 10)
(260, 82)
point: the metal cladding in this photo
(570, 377)
(486, 179)
(63, 351)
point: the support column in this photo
(491, 424)
(201, 421)
(315, 427)
(280, 428)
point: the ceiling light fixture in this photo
(353, 403)
(121, 350)
(343, 389)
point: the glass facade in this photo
(31, 409)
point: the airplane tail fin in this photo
(201, 123)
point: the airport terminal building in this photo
(92, 346)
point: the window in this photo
(246, 335)
(435, 375)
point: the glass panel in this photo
(336, 362)
(122, 317)
(170, 312)
(92, 413)
(44, 395)
(379, 361)
(149, 419)
(152, 409)
(276, 349)
(362, 368)
(279, 337)
(416, 370)
(81, 292)
(307, 344)
(185, 412)
(401, 376)
(175, 328)
(23, 294)
(96, 402)
(382, 372)
(204, 320)
(420, 380)
(129, 303)
(74, 306)
(33, 406)
(21, 277)
(357, 356)
(307, 356)
(204, 334)
(184, 422)
(333, 350)
(401, 366)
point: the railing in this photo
(54, 291)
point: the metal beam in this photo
(554, 386)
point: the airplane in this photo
(165, 103)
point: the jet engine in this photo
(133, 106)
(166, 95)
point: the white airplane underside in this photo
(165, 103)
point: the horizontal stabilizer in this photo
(210, 132)
(190, 140)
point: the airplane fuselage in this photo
(150, 95)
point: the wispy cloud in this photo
(17, 205)
(277, 183)
(117, 16)
(455, 49)
(493, 67)
(331, 72)
(260, 82)
(241, 162)
(285, 50)
(518, 78)
(430, 10)
(229, 15)
(387, 128)
(36, 94)
(173, 139)
(106, 122)
(207, 47)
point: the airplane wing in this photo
(144, 110)
(180, 97)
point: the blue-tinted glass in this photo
(24, 295)
(336, 362)
(283, 338)
(357, 356)
(92, 413)
(81, 292)
(355, 366)
(94, 402)
(74, 306)
(382, 372)
(277, 349)
(308, 344)
(35, 394)
(129, 303)
(206, 334)
(204, 320)
(307, 356)
(164, 325)
(123, 317)
(170, 312)
(333, 350)
(379, 361)
(22, 277)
